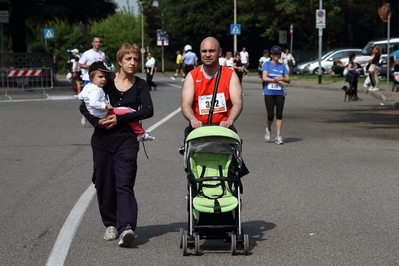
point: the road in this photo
(328, 196)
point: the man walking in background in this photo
(244, 58)
(89, 57)
(179, 65)
(189, 59)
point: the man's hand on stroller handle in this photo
(226, 124)
(195, 123)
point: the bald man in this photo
(199, 85)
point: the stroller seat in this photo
(213, 196)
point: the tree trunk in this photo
(18, 27)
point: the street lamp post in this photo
(142, 37)
(235, 22)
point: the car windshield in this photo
(366, 50)
(326, 54)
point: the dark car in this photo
(303, 56)
(382, 69)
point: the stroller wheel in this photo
(181, 233)
(233, 244)
(184, 245)
(246, 244)
(197, 245)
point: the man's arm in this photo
(235, 91)
(83, 61)
(187, 98)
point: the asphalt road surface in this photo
(328, 196)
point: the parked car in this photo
(364, 57)
(340, 63)
(327, 60)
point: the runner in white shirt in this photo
(89, 57)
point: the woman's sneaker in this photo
(110, 233)
(127, 237)
(267, 135)
(279, 140)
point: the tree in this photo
(120, 28)
(41, 11)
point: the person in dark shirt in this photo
(373, 68)
(115, 147)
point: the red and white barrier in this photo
(24, 73)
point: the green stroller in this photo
(212, 161)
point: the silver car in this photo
(327, 61)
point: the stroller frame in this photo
(216, 140)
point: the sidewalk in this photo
(62, 87)
(383, 94)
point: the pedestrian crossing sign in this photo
(235, 29)
(48, 33)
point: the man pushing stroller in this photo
(208, 84)
(199, 85)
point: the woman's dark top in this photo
(121, 136)
(376, 59)
(238, 64)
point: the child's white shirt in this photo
(95, 100)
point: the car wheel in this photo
(316, 71)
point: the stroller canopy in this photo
(213, 139)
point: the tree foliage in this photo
(115, 30)
(38, 12)
(348, 23)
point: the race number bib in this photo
(274, 86)
(204, 103)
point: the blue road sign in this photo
(235, 29)
(48, 33)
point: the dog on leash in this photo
(349, 93)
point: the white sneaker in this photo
(145, 137)
(110, 233)
(279, 140)
(127, 237)
(182, 79)
(83, 120)
(374, 89)
(267, 135)
(173, 78)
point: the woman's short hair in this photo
(127, 48)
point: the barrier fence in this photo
(28, 79)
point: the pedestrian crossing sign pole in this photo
(48, 34)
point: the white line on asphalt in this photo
(68, 230)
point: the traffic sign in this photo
(48, 34)
(282, 37)
(321, 18)
(3, 16)
(235, 29)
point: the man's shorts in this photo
(78, 76)
(179, 66)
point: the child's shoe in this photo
(145, 137)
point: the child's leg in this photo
(137, 128)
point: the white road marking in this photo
(68, 230)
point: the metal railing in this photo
(28, 79)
